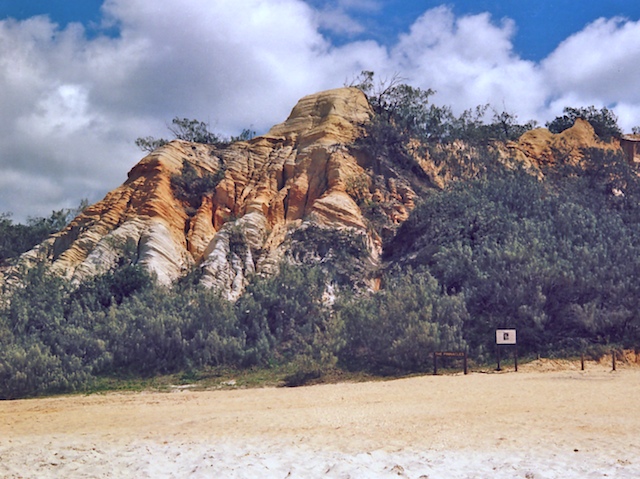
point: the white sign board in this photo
(505, 336)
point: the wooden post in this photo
(465, 363)
(498, 354)
(582, 362)
(613, 359)
(435, 364)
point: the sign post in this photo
(613, 358)
(506, 337)
(449, 354)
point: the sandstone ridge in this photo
(304, 172)
(295, 174)
(540, 148)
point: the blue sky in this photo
(63, 11)
(541, 25)
(80, 80)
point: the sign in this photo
(450, 354)
(505, 336)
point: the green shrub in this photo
(149, 143)
(32, 370)
(397, 329)
(403, 116)
(285, 317)
(190, 187)
(301, 377)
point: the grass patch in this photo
(210, 379)
(225, 378)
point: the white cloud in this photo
(61, 112)
(598, 66)
(341, 16)
(338, 21)
(469, 61)
(73, 106)
(209, 58)
(602, 61)
(628, 116)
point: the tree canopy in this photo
(195, 131)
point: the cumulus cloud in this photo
(72, 105)
(340, 16)
(469, 61)
(602, 61)
(599, 65)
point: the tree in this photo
(190, 187)
(149, 143)
(401, 113)
(245, 135)
(506, 128)
(555, 259)
(403, 116)
(183, 129)
(194, 130)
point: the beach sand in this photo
(549, 420)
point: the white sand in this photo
(530, 424)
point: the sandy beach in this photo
(549, 420)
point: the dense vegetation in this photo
(556, 259)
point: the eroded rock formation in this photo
(540, 147)
(298, 172)
(303, 172)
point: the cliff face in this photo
(296, 174)
(303, 172)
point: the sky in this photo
(80, 80)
